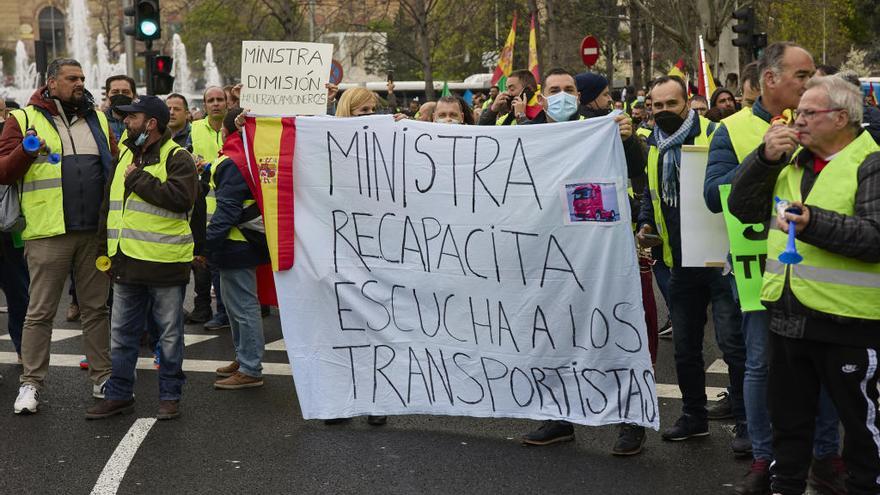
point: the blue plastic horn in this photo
(790, 256)
(30, 143)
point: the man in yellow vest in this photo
(783, 71)
(824, 311)
(691, 289)
(207, 139)
(150, 247)
(60, 202)
(236, 245)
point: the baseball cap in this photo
(152, 106)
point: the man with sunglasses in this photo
(824, 310)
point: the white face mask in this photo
(561, 106)
(448, 120)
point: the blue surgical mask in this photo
(561, 106)
(141, 139)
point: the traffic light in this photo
(163, 81)
(146, 26)
(744, 28)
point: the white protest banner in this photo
(703, 233)
(464, 270)
(285, 77)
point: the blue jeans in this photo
(691, 290)
(15, 281)
(826, 440)
(245, 319)
(130, 307)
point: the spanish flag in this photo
(706, 84)
(269, 144)
(678, 70)
(505, 60)
(533, 50)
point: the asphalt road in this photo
(255, 441)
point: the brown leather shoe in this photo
(168, 409)
(107, 408)
(228, 370)
(237, 381)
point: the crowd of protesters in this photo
(149, 194)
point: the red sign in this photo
(590, 51)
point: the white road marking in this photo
(113, 472)
(189, 339)
(664, 391)
(277, 345)
(719, 366)
(58, 334)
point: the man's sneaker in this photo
(550, 432)
(686, 427)
(721, 409)
(98, 389)
(757, 480)
(72, 312)
(238, 381)
(107, 408)
(168, 409)
(828, 475)
(666, 329)
(218, 322)
(741, 445)
(84, 363)
(198, 315)
(630, 440)
(28, 399)
(228, 370)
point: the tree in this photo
(681, 21)
(226, 23)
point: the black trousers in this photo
(202, 286)
(797, 370)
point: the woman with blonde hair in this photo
(357, 102)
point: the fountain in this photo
(81, 40)
(182, 79)
(212, 74)
(25, 77)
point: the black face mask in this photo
(667, 121)
(117, 101)
(636, 121)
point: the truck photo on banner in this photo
(460, 270)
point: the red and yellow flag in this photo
(533, 50)
(678, 70)
(269, 145)
(705, 77)
(505, 60)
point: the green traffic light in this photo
(149, 27)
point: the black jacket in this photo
(856, 236)
(231, 192)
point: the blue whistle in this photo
(31, 144)
(790, 256)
